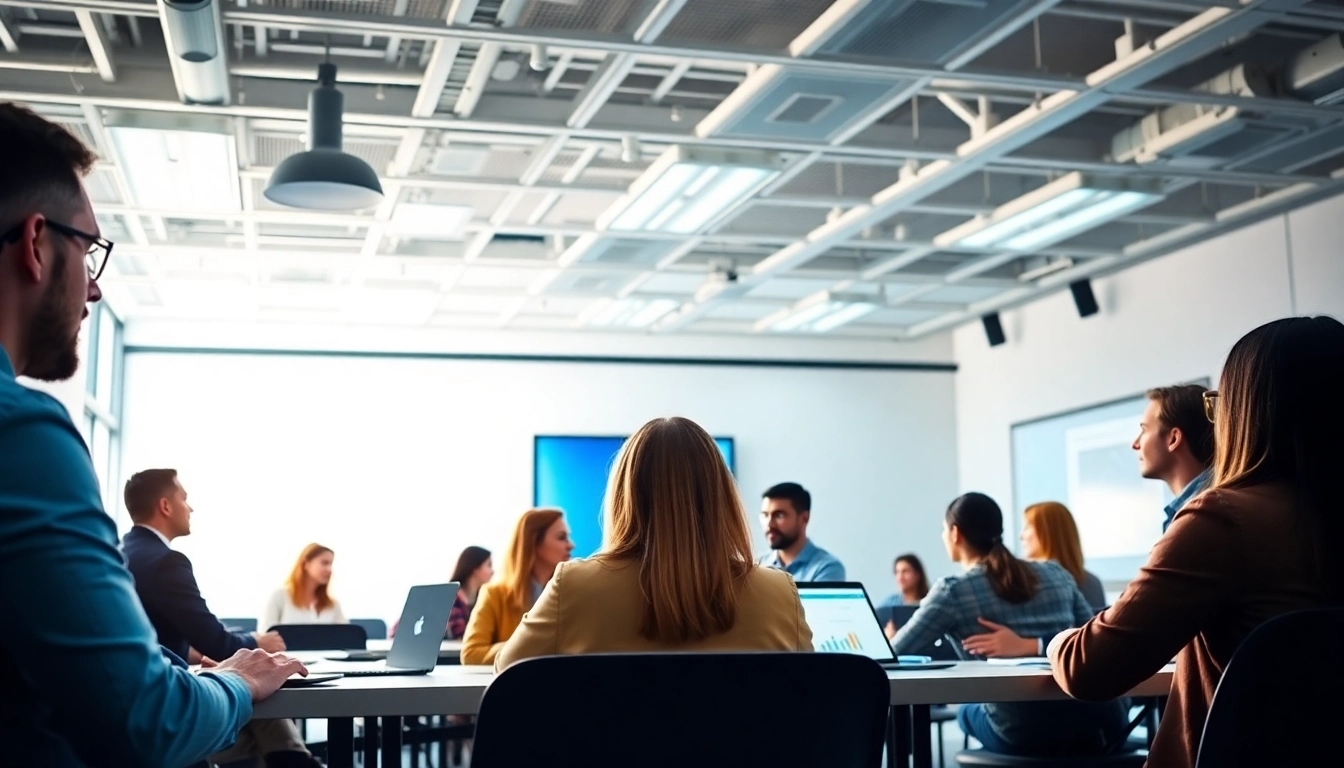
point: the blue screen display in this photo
(571, 473)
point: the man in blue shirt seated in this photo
(166, 583)
(1175, 443)
(785, 511)
(82, 678)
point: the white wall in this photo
(1169, 320)
(398, 464)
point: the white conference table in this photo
(458, 690)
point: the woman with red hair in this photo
(305, 598)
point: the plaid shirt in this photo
(954, 604)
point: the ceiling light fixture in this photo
(627, 313)
(688, 188)
(1056, 212)
(820, 313)
(177, 162)
(325, 178)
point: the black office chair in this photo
(322, 637)
(239, 625)
(684, 709)
(374, 629)
(986, 759)
(1278, 702)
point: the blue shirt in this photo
(82, 677)
(812, 564)
(952, 607)
(1192, 490)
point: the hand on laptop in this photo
(269, 641)
(263, 672)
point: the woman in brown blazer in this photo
(1252, 547)
(676, 571)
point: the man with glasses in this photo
(82, 678)
(1175, 443)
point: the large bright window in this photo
(102, 403)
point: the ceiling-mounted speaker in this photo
(993, 329)
(1083, 298)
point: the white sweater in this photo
(279, 610)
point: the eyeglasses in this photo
(95, 259)
(1211, 405)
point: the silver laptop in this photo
(415, 649)
(843, 621)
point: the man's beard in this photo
(783, 542)
(52, 345)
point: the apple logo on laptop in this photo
(419, 625)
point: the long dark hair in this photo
(1280, 419)
(980, 522)
(912, 560)
(467, 563)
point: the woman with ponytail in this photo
(1034, 599)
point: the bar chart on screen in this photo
(848, 643)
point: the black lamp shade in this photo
(326, 180)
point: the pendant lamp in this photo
(324, 178)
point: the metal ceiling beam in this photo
(99, 46)
(1170, 50)
(9, 39)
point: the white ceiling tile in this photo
(496, 277)
(786, 288)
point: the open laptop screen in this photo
(842, 620)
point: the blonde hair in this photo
(672, 507)
(297, 583)
(1058, 536)
(516, 573)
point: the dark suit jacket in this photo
(167, 588)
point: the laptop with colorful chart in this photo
(843, 621)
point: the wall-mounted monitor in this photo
(570, 472)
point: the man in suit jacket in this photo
(166, 584)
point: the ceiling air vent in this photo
(935, 31)
(459, 161)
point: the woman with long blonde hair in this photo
(306, 597)
(675, 571)
(540, 543)
(1049, 533)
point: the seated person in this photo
(1038, 599)
(1261, 542)
(166, 584)
(675, 572)
(912, 585)
(1049, 533)
(540, 543)
(305, 598)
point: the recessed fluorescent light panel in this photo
(627, 313)
(687, 188)
(430, 222)
(821, 313)
(178, 162)
(1056, 212)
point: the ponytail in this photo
(1012, 579)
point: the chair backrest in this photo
(375, 629)
(682, 709)
(1278, 702)
(322, 637)
(239, 625)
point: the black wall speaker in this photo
(993, 329)
(1083, 298)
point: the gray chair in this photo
(375, 629)
(239, 625)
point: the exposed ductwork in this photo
(1199, 135)
(194, 36)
